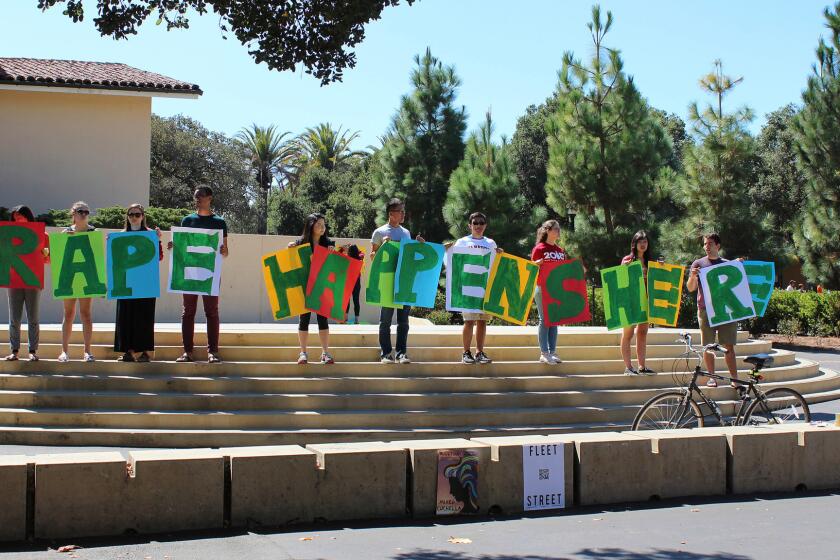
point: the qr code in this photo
(543, 474)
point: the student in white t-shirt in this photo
(477, 240)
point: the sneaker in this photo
(555, 359)
(33, 357)
(126, 358)
(213, 358)
(403, 359)
(354, 321)
(711, 383)
(303, 358)
(630, 371)
(12, 357)
(88, 357)
(185, 357)
(63, 357)
(545, 359)
(326, 358)
(483, 358)
(387, 359)
(467, 358)
(646, 371)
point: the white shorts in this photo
(476, 316)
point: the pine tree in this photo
(720, 167)
(605, 149)
(422, 147)
(486, 182)
(817, 130)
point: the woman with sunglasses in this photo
(80, 212)
(29, 298)
(135, 324)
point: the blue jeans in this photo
(386, 315)
(547, 335)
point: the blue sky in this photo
(506, 53)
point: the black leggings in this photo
(303, 325)
(356, 289)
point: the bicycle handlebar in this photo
(714, 347)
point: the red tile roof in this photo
(93, 75)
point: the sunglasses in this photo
(135, 215)
(479, 223)
(82, 212)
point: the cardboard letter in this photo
(418, 272)
(510, 289)
(383, 269)
(330, 284)
(133, 269)
(467, 271)
(726, 293)
(625, 297)
(665, 282)
(563, 288)
(21, 255)
(761, 276)
(78, 264)
(286, 273)
(195, 266)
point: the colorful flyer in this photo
(761, 276)
(286, 273)
(21, 254)
(195, 266)
(563, 292)
(726, 293)
(330, 284)
(467, 272)
(383, 271)
(457, 481)
(510, 289)
(664, 289)
(133, 259)
(418, 272)
(77, 264)
(625, 295)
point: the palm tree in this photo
(325, 147)
(271, 158)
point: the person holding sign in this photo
(727, 334)
(546, 249)
(134, 329)
(80, 212)
(392, 231)
(639, 251)
(28, 298)
(476, 240)
(314, 233)
(204, 218)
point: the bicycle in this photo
(681, 408)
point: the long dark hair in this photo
(542, 231)
(641, 234)
(143, 225)
(24, 211)
(306, 236)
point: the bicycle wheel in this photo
(778, 406)
(668, 411)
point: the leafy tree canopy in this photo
(281, 33)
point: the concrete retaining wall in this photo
(99, 494)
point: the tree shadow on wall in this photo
(586, 553)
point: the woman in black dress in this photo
(135, 325)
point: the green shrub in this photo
(808, 314)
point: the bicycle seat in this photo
(759, 360)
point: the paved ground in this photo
(786, 527)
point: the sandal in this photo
(126, 358)
(213, 358)
(711, 383)
(185, 357)
(33, 357)
(12, 357)
(143, 358)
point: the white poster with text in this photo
(543, 476)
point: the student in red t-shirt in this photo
(639, 251)
(547, 250)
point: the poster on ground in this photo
(22, 254)
(543, 476)
(467, 272)
(457, 481)
(726, 293)
(510, 288)
(77, 263)
(195, 265)
(133, 259)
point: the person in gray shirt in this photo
(392, 231)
